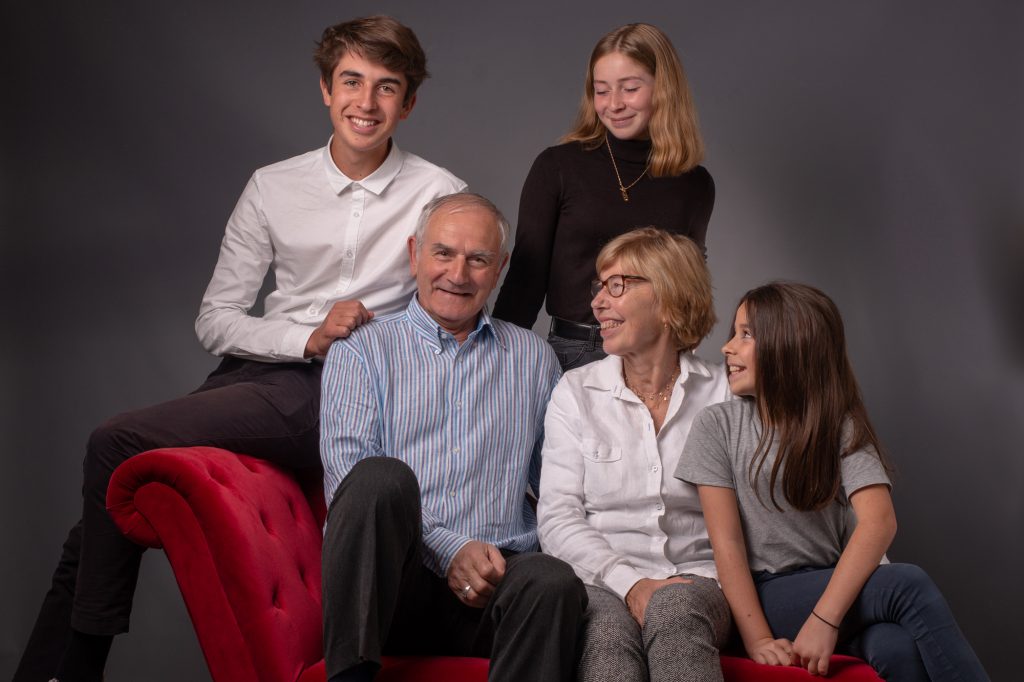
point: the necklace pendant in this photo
(625, 194)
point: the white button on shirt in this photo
(606, 505)
(326, 237)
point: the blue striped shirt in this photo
(468, 419)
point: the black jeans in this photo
(266, 410)
(378, 598)
(572, 353)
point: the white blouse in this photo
(609, 504)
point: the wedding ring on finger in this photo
(465, 591)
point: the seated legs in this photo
(379, 598)
(684, 627)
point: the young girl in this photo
(631, 159)
(778, 473)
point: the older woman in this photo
(609, 505)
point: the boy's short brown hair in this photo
(380, 39)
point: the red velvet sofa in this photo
(243, 537)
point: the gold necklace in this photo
(659, 397)
(623, 188)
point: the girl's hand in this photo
(814, 645)
(771, 651)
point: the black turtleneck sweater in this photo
(571, 207)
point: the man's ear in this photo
(411, 244)
(497, 273)
(325, 91)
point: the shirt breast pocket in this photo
(602, 469)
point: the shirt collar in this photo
(607, 374)
(376, 182)
(428, 328)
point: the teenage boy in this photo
(332, 226)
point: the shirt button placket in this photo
(454, 419)
(351, 237)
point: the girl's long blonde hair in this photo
(676, 145)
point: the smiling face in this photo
(457, 266)
(631, 324)
(623, 96)
(740, 354)
(366, 102)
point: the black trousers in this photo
(378, 598)
(271, 411)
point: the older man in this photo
(432, 425)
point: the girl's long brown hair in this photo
(807, 396)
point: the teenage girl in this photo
(778, 473)
(631, 160)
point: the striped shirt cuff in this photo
(441, 547)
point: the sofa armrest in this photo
(245, 549)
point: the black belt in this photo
(575, 330)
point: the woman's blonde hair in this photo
(676, 145)
(676, 269)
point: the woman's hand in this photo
(639, 596)
(771, 651)
(814, 645)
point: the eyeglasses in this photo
(616, 284)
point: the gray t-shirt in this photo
(719, 451)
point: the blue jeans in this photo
(900, 623)
(572, 353)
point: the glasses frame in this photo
(597, 284)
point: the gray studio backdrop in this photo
(874, 149)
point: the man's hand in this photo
(814, 645)
(640, 595)
(341, 319)
(481, 567)
(771, 651)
